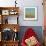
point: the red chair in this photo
(29, 33)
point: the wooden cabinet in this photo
(6, 12)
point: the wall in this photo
(7, 3)
(29, 3)
(26, 3)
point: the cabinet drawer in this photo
(10, 43)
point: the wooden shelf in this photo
(7, 13)
(10, 9)
(10, 26)
(4, 13)
(11, 41)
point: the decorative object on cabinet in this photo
(30, 13)
(12, 12)
(5, 12)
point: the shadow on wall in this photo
(37, 29)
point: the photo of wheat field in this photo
(29, 12)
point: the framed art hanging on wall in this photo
(30, 13)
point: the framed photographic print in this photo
(30, 13)
(5, 12)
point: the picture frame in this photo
(5, 12)
(30, 13)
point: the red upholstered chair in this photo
(29, 33)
